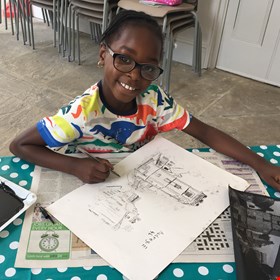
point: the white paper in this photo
(163, 200)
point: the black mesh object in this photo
(10, 203)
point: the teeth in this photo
(127, 86)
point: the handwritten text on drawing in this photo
(152, 235)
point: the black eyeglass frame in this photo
(136, 64)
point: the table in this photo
(21, 172)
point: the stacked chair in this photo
(172, 19)
(14, 7)
(50, 8)
(11, 2)
(64, 17)
(97, 12)
(22, 12)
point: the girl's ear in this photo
(102, 51)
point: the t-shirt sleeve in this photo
(172, 115)
(66, 126)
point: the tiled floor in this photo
(35, 83)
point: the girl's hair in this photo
(129, 17)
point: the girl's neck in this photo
(117, 108)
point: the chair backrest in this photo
(94, 10)
(88, 5)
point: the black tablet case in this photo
(10, 203)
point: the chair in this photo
(18, 9)
(12, 12)
(172, 19)
(5, 13)
(175, 27)
(97, 12)
(53, 7)
(22, 10)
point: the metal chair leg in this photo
(5, 15)
(0, 12)
(74, 32)
(200, 50)
(43, 14)
(47, 17)
(91, 27)
(54, 22)
(197, 46)
(23, 12)
(58, 24)
(169, 61)
(65, 33)
(30, 30)
(29, 19)
(78, 39)
(70, 32)
(22, 20)
(11, 16)
(61, 27)
(16, 12)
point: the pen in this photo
(46, 214)
(96, 159)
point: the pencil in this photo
(46, 214)
(94, 158)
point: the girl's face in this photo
(141, 45)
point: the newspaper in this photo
(215, 244)
(40, 238)
(237, 168)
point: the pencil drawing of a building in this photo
(158, 173)
(117, 207)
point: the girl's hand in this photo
(271, 175)
(91, 171)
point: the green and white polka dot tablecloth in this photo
(21, 172)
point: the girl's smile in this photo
(127, 87)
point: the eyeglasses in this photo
(125, 64)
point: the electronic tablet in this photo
(14, 200)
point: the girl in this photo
(124, 111)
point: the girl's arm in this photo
(225, 144)
(31, 147)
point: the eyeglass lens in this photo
(125, 64)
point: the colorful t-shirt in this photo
(87, 121)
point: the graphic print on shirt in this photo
(87, 121)
(120, 130)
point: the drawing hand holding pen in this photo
(94, 158)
